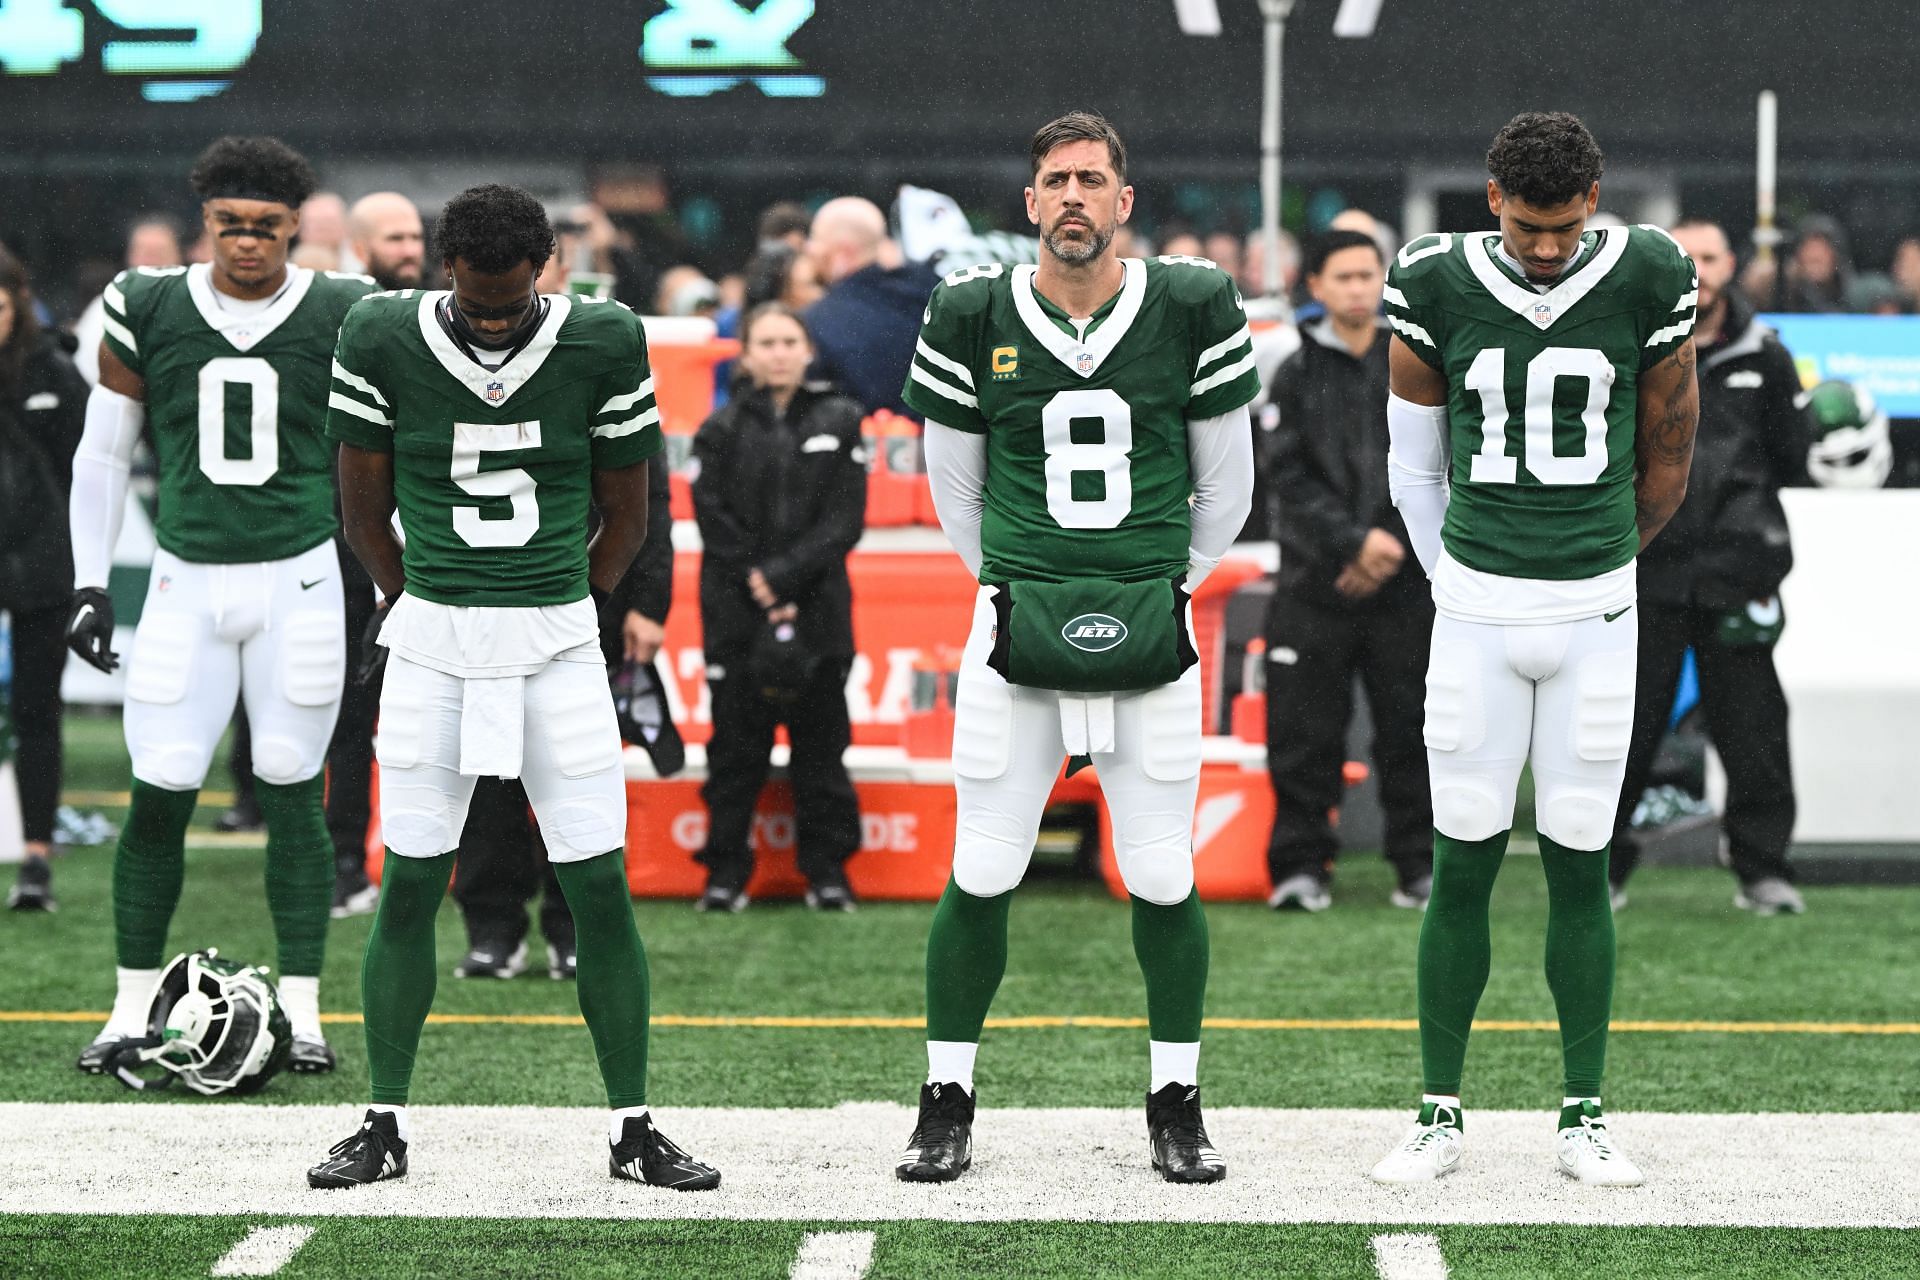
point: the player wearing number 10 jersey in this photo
(1087, 440)
(226, 366)
(1542, 414)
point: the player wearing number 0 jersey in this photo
(225, 365)
(1086, 424)
(494, 419)
(1542, 423)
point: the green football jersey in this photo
(236, 405)
(493, 468)
(1542, 390)
(1087, 473)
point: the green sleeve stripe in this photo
(1408, 329)
(642, 392)
(639, 422)
(358, 410)
(1218, 349)
(941, 362)
(927, 380)
(120, 333)
(346, 376)
(1222, 377)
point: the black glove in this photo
(90, 628)
(373, 654)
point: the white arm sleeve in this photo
(1220, 455)
(957, 473)
(98, 501)
(1417, 473)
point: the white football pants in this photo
(1559, 695)
(570, 760)
(272, 634)
(1007, 749)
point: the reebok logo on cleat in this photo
(1615, 614)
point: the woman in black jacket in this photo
(780, 495)
(43, 402)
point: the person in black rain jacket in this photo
(780, 496)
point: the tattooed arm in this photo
(1663, 442)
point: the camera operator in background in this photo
(781, 495)
(1347, 601)
(43, 404)
(1711, 582)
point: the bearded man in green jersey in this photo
(225, 364)
(492, 419)
(1091, 459)
(1542, 414)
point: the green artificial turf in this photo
(100, 1248)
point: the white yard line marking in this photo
(263, 1251)
(833, 1255)
(1067, 1164)
(1404, 1256)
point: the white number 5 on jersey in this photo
(470, 440)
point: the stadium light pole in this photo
(1275, 13)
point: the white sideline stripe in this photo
(263, 1251)
(1409, 1257)
(833, 1255)
(1065, 1164)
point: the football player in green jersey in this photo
(1542, 414)
(225, 364)
(492, 418)
(1091, 459)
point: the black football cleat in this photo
(941, 1148)
(310, 1056)
(830, 891)
(493, 960)
(644, 1154)
(95, 1057)
(374, 1153)
(1182, 1151)
(33, 890)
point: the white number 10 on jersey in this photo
(1487, 378)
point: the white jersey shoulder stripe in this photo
(932, 383)
(629, 400)
(1412, 330)
(120, 332)
(638, 422)
(941, 362)
(345, 375)
(1678, 329)
(1222, 377)
(347, 404)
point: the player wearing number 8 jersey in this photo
(1091, 459)
(1542, 415)
(226, 366)
(493, 419)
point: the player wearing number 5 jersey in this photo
(225, 365)
(494, 419)
(1542, 415)
(1091, 459)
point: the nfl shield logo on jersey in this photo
(1543, 314)
(1083, 360)
(496, 392)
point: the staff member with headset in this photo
(781, 497)
(43, 404)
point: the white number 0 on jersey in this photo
(263, 427)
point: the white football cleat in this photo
(1432, 1148)
(1586, 1152)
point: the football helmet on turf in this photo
(215, 1025)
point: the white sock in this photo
(300, 997)
(951, 1062)
(132, 998)
(617, 1120)
(399, 1115)
(1173, 1062)
(1442, 1100)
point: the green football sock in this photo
(148, 866)
(611, 978)
(966, 958)
(1456, 950)
(1172, 947)
(398, 975)
(299, 872)
(1580, 959)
